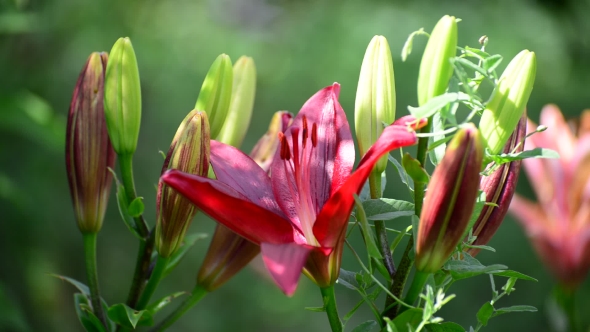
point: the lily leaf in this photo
(366, 230)
(387, 208)
(127, 317)
(436, 103)
(366, 326)
(89, 321)
(123, 205)
(161, 303)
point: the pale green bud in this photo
(436, 69)
(509, 100)
(122, 97)
(242, 102)
(375, 97)
(216, 91)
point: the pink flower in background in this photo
(559, 224)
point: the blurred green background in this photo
(299, 47)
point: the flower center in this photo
(297, 160)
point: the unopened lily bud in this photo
(436, 69)
(509, 100)
(228, 252)
(449, 200)
(264, 150)
(122, 97)
(89, 153)
(216, 91)
(242, 102)
(189, 152)
(499, 188)
(375, 97)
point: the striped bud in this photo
(216, 91)
(435, 68)
(499, 188)
(89, 153)
(449, 200)
(189, 152)
(508, 102)
(122, 97)
(243, 91)
(375, 97)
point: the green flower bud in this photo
(241, 105)
(375, 97)
(509, 100)
(189, 153)
(216, 91)
(450, 200)
(89, 153)
(435, 68)
(122, 97)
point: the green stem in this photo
(382, 241)
(331, 308)
(142, 264)
(415, 288)
(566, 299)
(407, 261)
(152, 284)
(197, 294)
(126, 166)
(92, 275)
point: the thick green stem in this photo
(331, 308)
(152, 284)
(415, 289)
(197, 294)
(382, 241)
(407, 261)
(142, 265)
(92, 275)
(126, 166)
(565, 297)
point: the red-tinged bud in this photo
(449, 200)
(89, 153)
(189, 152)
(228, 252)
(499, 188)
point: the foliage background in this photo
(299, 47)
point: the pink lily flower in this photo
(299, 215)
(559, 225)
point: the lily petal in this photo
(333, 218)
(231, 208)
(240, 172)
(326, 165)
(285, 262)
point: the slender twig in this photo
(92, 275)
(197, 294)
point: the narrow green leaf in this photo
(461, 269)
(444, 327)
(80, 286)
(349, 314)
(387, 208)
(161, 303)
(89, 321)
(348, 279)
(513, 274)
(509, 286)
(437, 152)
(402, 174)
(411, 317)
(470, 65)
(436, 103)
(476, 53)
(491, 63)
(366, 326)
(189, 242)
(480, 202)
(534, 153)
(485, 313)
(515, 308)
(315, 309)
(370, 243)
(123, 205)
